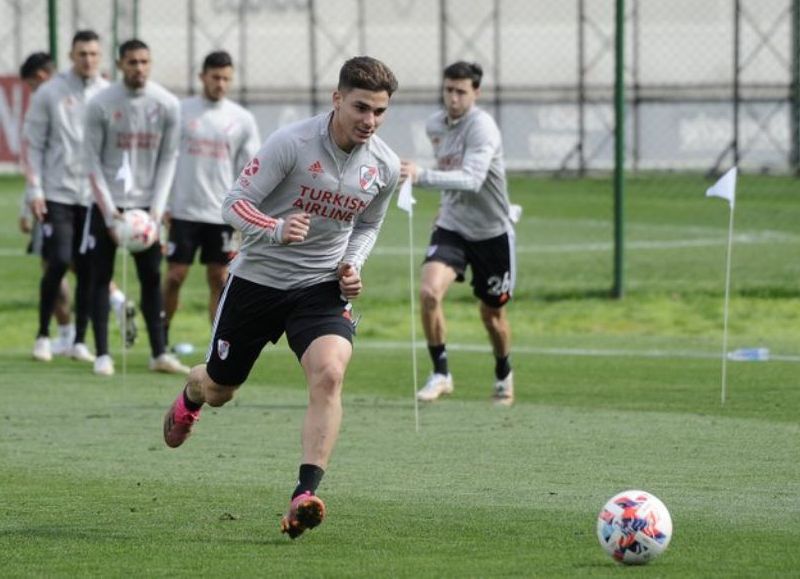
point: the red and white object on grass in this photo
(634, 527)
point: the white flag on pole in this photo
(124, 173)
(725, 187)
(405, 199)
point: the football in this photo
(634, 527)
(136, 230)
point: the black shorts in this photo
(214, 240)
(249, 315)
(491, 260)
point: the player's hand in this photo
(409, 170)
(349, 281)
(25, 225)
(38, 208)
(166, 219)
(295, 228)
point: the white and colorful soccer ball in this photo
(634, 527)
(136, 230)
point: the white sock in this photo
(66, 332)
(117, 300)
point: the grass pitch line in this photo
(589, 352)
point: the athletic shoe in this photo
(104, 365)
(178, 422)
(81, 353)
(306, 511)
(168, 364)
(503, 394)
(41, 349)
(436, 385)
(62, 346)
(129, 330)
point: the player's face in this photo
(85, 58)
(216, 82)
(135, 67)
(458, 96)
(357, 115)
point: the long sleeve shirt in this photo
(53, 134)
(470, 171)
(217, 139)
(144, 123)
(300, 169)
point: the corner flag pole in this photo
(405, 201)
(125, 175)
(725, 188)
(725, 310)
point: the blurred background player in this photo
(34, 71)
(57, 189)
(300, 263)
(472, 228)
(218, 137)
(138, 119)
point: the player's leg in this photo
(184, 240)
(101, 251)
(148, 270)
(63, 315)
(444, 264)
(176, 275)
(57, 253)
(216, 252)
(241, 329)
(83, 287)
(492, 263)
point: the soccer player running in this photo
(309, 205)
(137, 118)
(218, 137)
(57, 188)
(473, 227)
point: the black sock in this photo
(190, 405)
(308, 479)
(439, 357)
(166, 334)
(502, 367)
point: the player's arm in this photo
(94, 141)
(167, 161)
(257, 181)
(482, 142)
(249, 145)
(34, 140)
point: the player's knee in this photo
(175, 278)
(327, 380)
(429, 297)
(492, 317)
(214, 394)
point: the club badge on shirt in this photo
(367, 175)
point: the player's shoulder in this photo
(238, 110)
(383, 152)
(162, 94)
(436, 121)
(111, 93)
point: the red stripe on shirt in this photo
(252, 215)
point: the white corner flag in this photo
(405, 198)
(725, 188)
(405, 201)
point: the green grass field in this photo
(611, 395)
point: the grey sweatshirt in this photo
(145, 124)
(53, 134)
(470, 170)
(217, 140)
(298, 169)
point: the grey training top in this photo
(296, 170)
(145, 124)
(53, 157)
(471, 172)
(217, 139)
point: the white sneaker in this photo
(104, 365)
(436, 385)
(168, 364)
(41, 349)
(503, 393)
(81, 353)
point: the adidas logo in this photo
(315, 168)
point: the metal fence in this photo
(708, 83)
